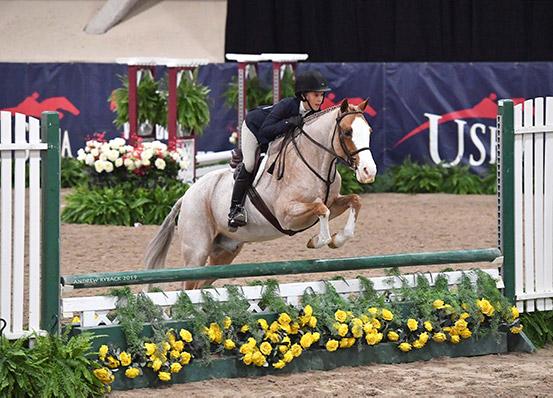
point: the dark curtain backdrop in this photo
(393, 30)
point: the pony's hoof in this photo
(332, 245)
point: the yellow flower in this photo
(387, 315)
(248, 358)
(103, 375)
(455, 339)
(294, 328)
(515, 312)
(76, 320)
(164, 376)
(274, 337)
(185, 358)
(288, 356)
(332, 345)
(176, 367)
(340, 316)
(368, 328)
(227, 322)
(464, 315)
(215, 333)
(274, 327)
(284, 319)
(428, 326)
(439, 337)
(412, 324)
(343, 330)
(351, 341)
(170, 336)
(156, 365)
(286, 327)
(516, 330)
(258, 358)
(166, 346)
(263, 323)
(150, 348)
(306, 340)
(312, 322)
(373, 311)
(393, 336)
(365, 318)
(179, 345)
(308, 310)
(245, 328)
(283, 348)
(185, 335)
(296, 350)
(405, 347)
(113, 362)
(418, 344)
(357, 331)
(175, 354)
(279, 365)
(265, 348)
(466, 333)
(376, 323)
(424, 337)
(316, 336)
(103, 352)
(229, 344)
(344, 343)
(125, 358)
(131, 373)
(246, 349)
(438, 304)
(373, 338)
(485, 307)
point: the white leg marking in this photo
(347, 233)
(323, 237)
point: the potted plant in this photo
(192, 106)
(149, 104)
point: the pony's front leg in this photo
(341, 204)
(297, 214)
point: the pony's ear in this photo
(363, 104)
(344, 106)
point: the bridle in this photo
(350, 157)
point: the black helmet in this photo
(311, 81)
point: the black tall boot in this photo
(237, 216)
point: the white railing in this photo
(533, 184)
(94, 311)
(14, 154)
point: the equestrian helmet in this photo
(311, 80)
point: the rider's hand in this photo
(295, 121)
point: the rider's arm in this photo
(276, 122)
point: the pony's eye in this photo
(347, 133)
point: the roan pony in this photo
(304, 188)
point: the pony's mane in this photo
(315, 116)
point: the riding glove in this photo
(295, 121)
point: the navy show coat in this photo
(268, 122)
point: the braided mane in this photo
(309, 119)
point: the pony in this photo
(304, 190)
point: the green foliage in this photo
(538, 327)
(121, 205)
(412, 177)
(150, 102)
(51, 367)
(73, 173)
(259, 93)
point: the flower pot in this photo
(182, 132)
(145, 129)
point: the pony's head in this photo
(354, 136)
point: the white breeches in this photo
(248, 144)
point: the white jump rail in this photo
(20, 323)
(94, 311)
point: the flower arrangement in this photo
(324, 322)
(114, 161)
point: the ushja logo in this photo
(485, 109)
(31, 107)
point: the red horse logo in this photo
(31, 107)
(329, 102)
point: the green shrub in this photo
(124, 204)
(73, 173)
(538, 327)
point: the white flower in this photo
(99, 166)
(147, 154)
(233, 139)
(129, 164)
(137, 164)
(183, 164)
(118, 162)
(89, 160)
(94, 152)
(96, 144)
(108, 167)
(105, 148)
(117, 143)
(103, 156)
(146, 162)
(160, 163)
(113, 155)
(81, 155)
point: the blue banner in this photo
(440, 112)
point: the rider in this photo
(264, 124)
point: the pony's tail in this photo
(157, 249)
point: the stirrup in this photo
(237, 218)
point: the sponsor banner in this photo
(440, 112)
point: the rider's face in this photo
(315, 99)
